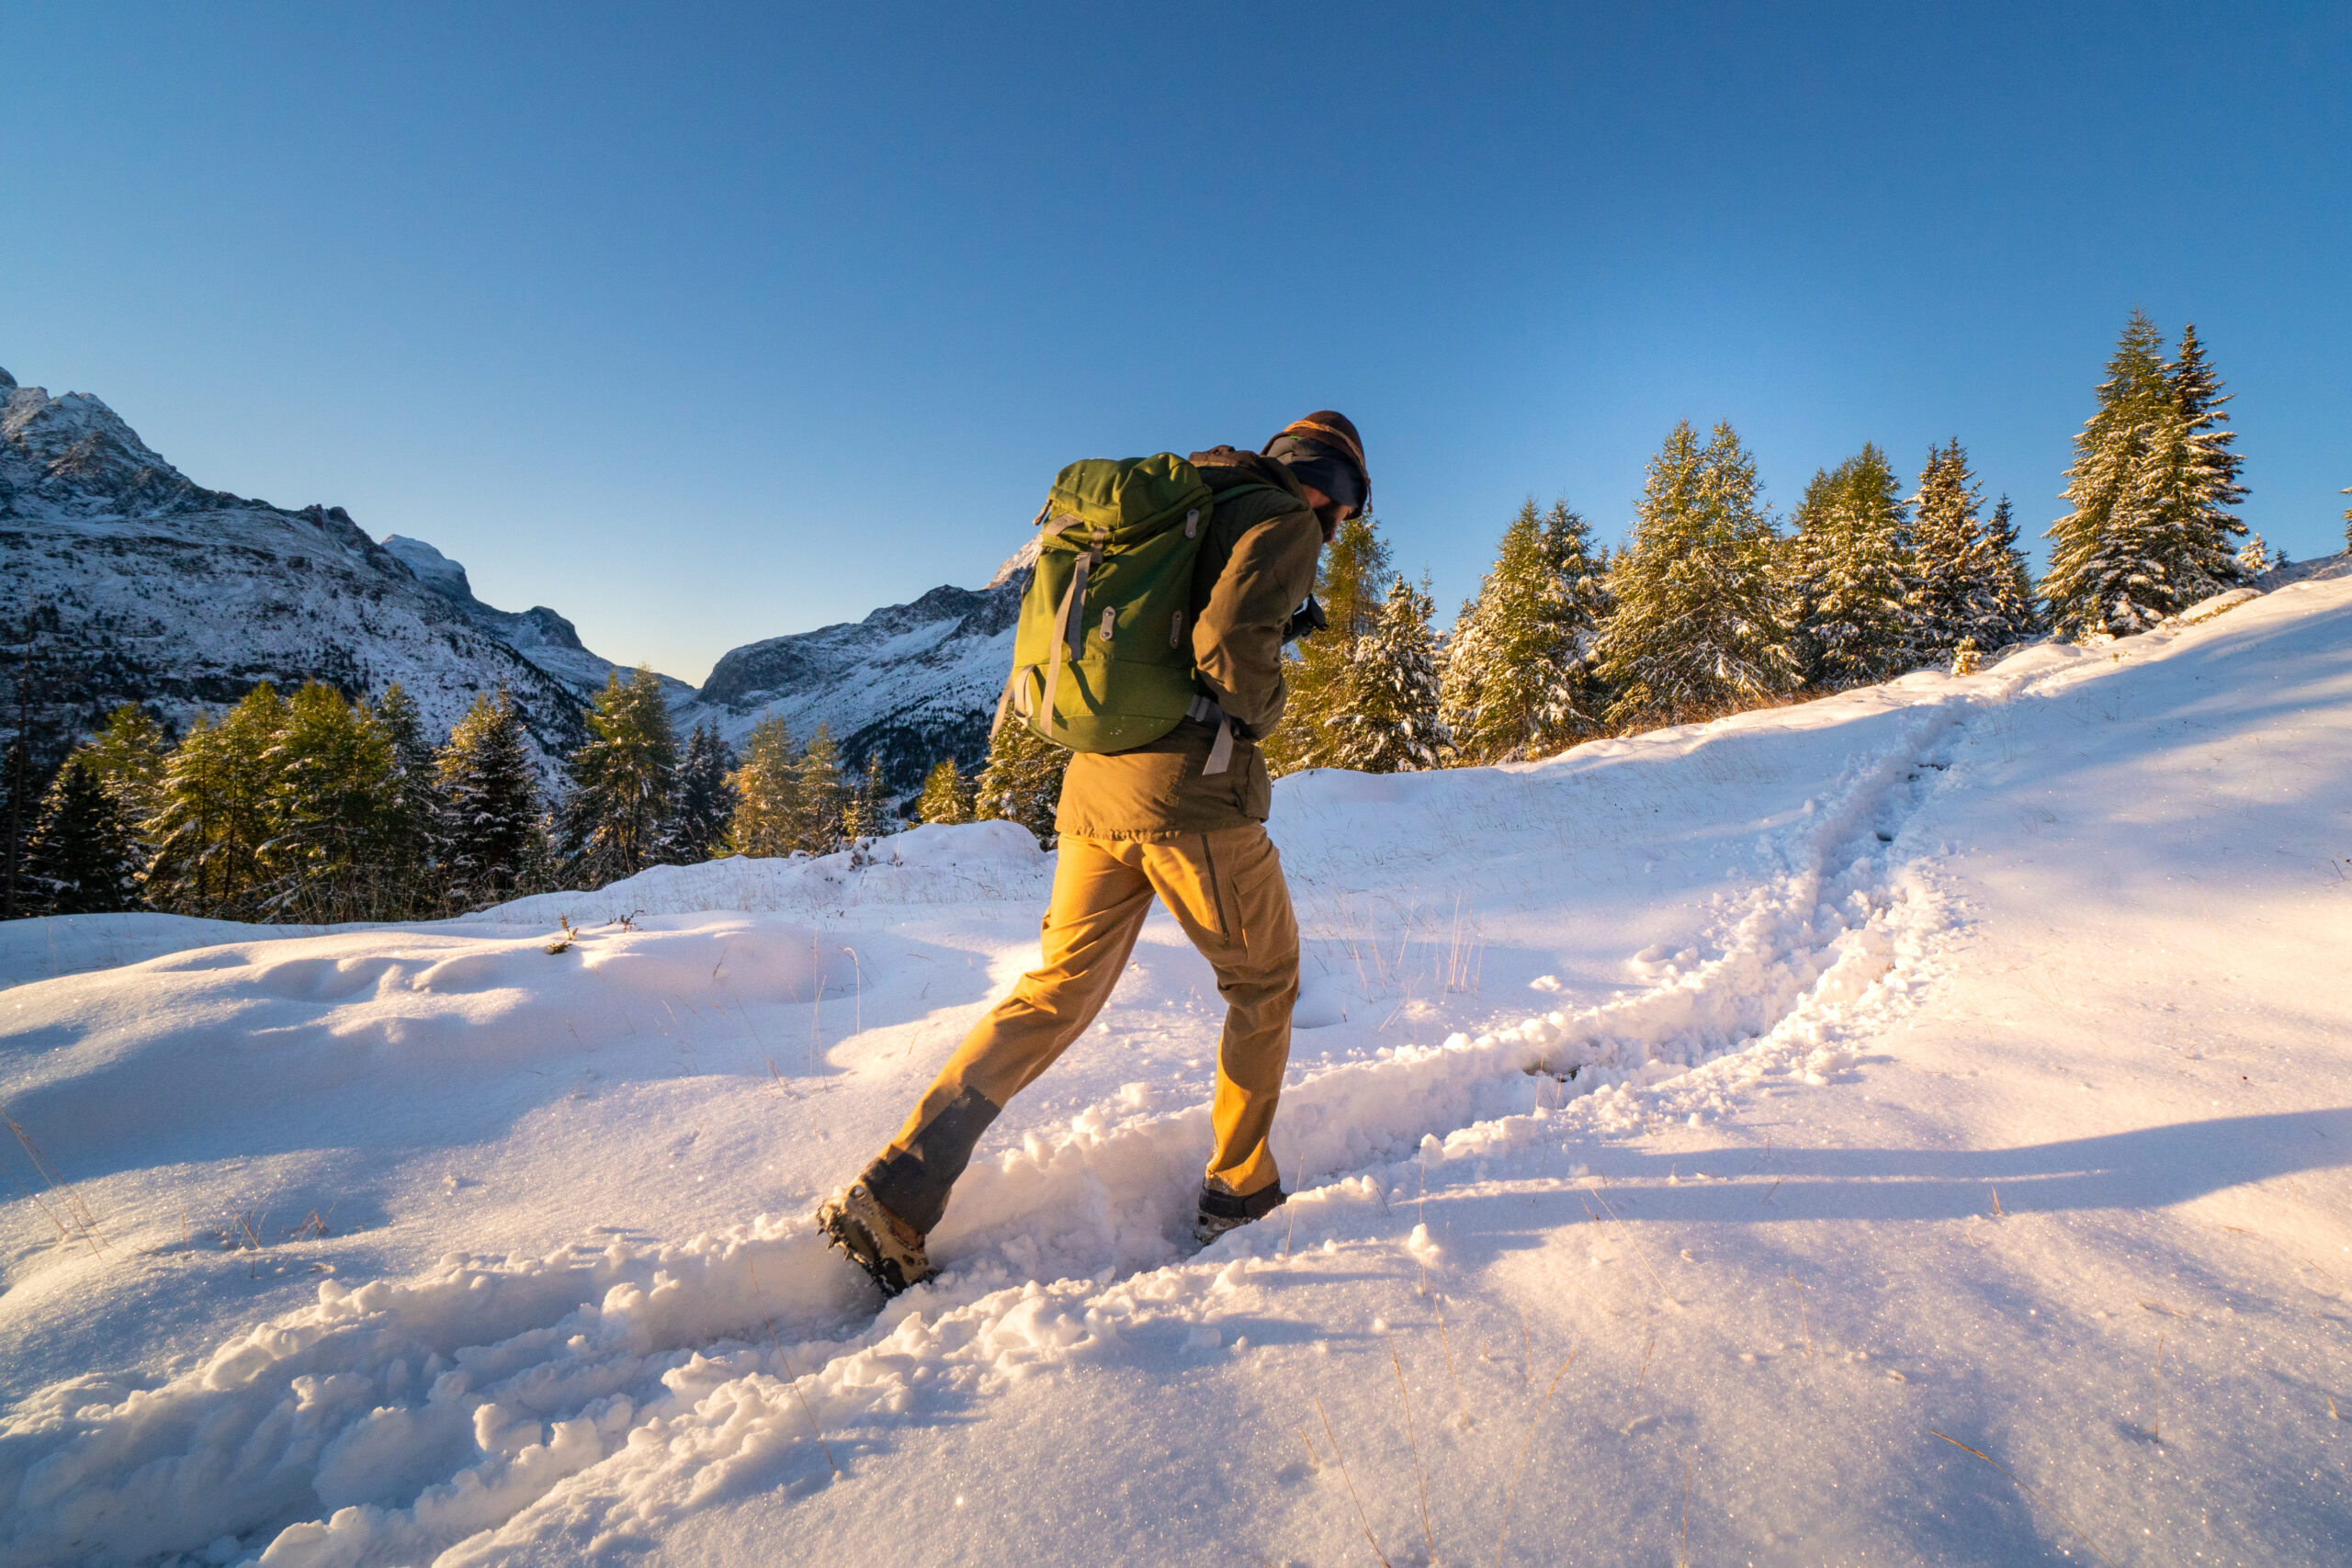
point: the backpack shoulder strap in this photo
(1228, 469)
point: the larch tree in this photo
(490, 832)
(1022, 781)
(1391, 724)
(824, 794)
(1515, 681)
(705, 800)
(946, 795)
(766, 820)
(1699, 623)
(418, 810)
(333, 809)
(211, 826)
(623, 780)
(1348, 584)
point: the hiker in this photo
(1180, 815)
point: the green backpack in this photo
(1102, 661)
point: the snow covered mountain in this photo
(184, 598)
(915, 683)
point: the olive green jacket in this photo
(1256, 566)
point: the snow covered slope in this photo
(1958, 1061)
(185, 597)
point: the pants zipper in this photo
(1216, 892)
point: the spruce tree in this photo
(2014, 604)
(1515, 682)
(1392, 723)
(1699, 623)
(2204, 504)
(79, 861)
(1850, 573)
(2152, 487)
(824, 800)
(767, 817)
(623, 780)
(490, 833)
(1022, 781)
(211, 826)
(705, 800)
(946, 795)
(1968, 574)
(334, 810)
(2347, 518)
(1349, 581)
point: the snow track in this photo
(559, 1405)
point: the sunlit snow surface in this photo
(1940, 1049)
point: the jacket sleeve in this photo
(1237, 636)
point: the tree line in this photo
(317, 807)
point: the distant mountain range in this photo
(184, 598)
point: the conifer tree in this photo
(2204, 504)
(1850, 573)
(824, 796)
(2014, 600)
(127, 755)
(1698, 623)
(1969, 578)
(2347, 518)
(490, 832)
(417, 810)
(946, 795)
(212, 820)
(1023, 781)
(2152, 487)
(1515, 682)
(333, 810)
(705, 800)
(767, 817)
(866, 809)
(623, 780)
(79, 861)
(1392, 723)
(1349, 581)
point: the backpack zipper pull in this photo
(1110, 618)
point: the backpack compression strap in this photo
(1205, 709)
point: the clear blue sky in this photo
(704, 324)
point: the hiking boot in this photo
(876, 1239)
(1222, 1211)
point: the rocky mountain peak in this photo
(75, 454)
(433, 569)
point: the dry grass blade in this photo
(2157, 1429)
(1513, 1496)
(1414, 1443)
(78, 1220)
(1460, 1405)
(1361, 1518)
(814, 1430)
(2030, 1492)
(1645, 1362)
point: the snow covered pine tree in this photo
(1391, 725)
(490, 833)
(79, 861)
(705, 801)
(768, 793)
(2151, 487)
(1516, 683)
(1699, 624)
(946, 795)
(1850, 569)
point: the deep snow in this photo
(1962, 1055)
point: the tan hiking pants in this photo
(1226, 888)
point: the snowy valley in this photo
(183, 597)
(1909, 1126)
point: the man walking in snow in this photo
(1182, 818)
